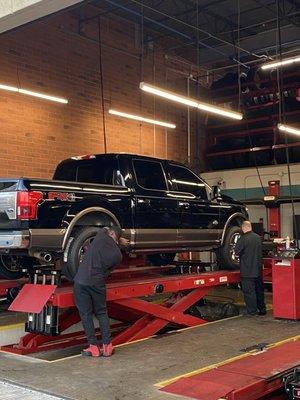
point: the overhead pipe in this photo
(209, 35)
(247, 63)
(113, 3)
(173, 30)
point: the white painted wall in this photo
(248, 177)
(14, 13)
(246, 180)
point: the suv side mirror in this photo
(215, 192)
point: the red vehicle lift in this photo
(253, 377)
(126, 292)
(7, 285)
(138, 318)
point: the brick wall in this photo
(50, 56)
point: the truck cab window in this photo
(186, 181)
(97, 170)
(66, 171)
(150, 174)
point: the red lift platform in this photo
(128, 292)
(253, 377)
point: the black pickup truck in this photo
(162, 205)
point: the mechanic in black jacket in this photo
(249, 250)
(102, 255)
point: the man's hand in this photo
(124, 242)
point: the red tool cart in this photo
(286, 284)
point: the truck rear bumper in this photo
(32, 239)
(14, 240)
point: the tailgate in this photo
(8, 199)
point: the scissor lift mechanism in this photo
(128, 294)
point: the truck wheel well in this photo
(95, 219)
(95, 216)
(236, 222)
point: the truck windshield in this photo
(97, 170)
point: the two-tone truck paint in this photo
(162, 205)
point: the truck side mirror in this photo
(215, 192)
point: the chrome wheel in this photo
(232, 244)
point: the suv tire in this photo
(225, 254)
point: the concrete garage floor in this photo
(135, 368)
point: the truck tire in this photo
(11, 266)
(225, 255)
(80, 238)
(161, 259)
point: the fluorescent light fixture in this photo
(168, 95)
(35, 94)
(43, 96)
(220, 111)
(289, 129)
(10, 88)
(281, 63)
(142, 119)
(190, 102)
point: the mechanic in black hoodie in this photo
(249, 250)
(102, 255)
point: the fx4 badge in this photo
(63, 196)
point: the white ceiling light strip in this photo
(10, 88)
(288, 129)
(142, 119)
(189, 102)
(281, 63)
(34, 94)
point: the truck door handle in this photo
(144, 201)
(184, 204)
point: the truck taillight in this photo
(27, 204)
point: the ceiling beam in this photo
(274, 11)
(257, 44)
(228, 22)
(294, 3)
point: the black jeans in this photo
(253, 290)
(87, 299)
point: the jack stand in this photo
(45, 322)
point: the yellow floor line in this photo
(216, 365)
(207, 323)
(23, 356)
(290, 339)
(118, 345)
(12, 326)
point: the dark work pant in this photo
(253, 290)
(87, 299)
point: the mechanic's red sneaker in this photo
(92, 351)
(107, 350)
